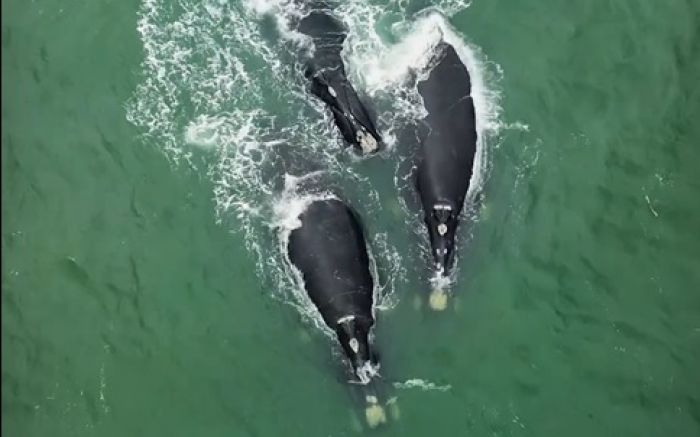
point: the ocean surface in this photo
(152, 154)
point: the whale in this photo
(447, 151)
(328, 81)
(330, 252)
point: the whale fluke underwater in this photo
(446, 156)
(330, 251)
(329, 82)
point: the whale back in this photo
(449, 132)
(329, 249)
(326, 71)
(328, 35)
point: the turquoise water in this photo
(142, 172)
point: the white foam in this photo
(204, 131)
(262, 7)
(367, 372)
(440, 281)
(422, 384)
(284, 12)
(385, 67)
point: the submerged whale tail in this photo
(372, 399)
(375, 414)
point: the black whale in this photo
(329, 82)
(329, 250)
(447, 152)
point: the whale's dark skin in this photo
(447, 152)
(329, 249)
(329, 82)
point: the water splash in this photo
(422, 384)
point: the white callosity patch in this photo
(344, 319)
(367, 142)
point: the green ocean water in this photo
(129, 309)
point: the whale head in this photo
(350, 114)
(353, 335)
(442, 224)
